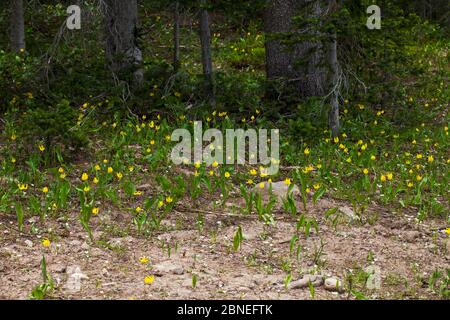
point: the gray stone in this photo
(315, 280)
(349, 214)
(167, 267)
(29, 243)
(58, 268)
(333, 284)
(75, 243)
(85, 246)
(105, 272)
(116, 242)
(411, 236)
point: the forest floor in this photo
(404, 253)
(97, 210)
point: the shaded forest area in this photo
(92, 205)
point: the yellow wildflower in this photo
(46, 243)
(149, 279)
(143, 260)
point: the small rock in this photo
(144, 186)
(75, 243)
(187, 283)
(315, 280)
(97, 234)
(411, 236)
(333, 284)
(348, 212)
(32, 220)
(167, 267)
(115, 242)
(58, 268)
(29, 243)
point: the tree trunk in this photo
(122, 51)
(334, 79)
(176, 37)
(17, 26)
(278, 19)
(205, 39)
(309, 77)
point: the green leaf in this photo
(19, 214)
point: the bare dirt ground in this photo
(405, 252)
